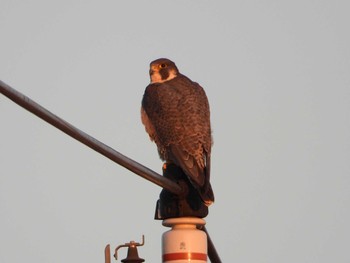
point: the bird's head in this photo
(162, 70)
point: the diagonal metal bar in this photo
(89, 141)
(212, 253)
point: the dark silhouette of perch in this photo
(100, 147)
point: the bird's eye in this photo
(162, 65)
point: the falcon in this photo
(175, 113)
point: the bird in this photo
(176, 115)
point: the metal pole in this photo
(89, 141)
(184, 242)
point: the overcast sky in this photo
(277, 77)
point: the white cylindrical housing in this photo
(184, 242)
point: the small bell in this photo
(132, 257)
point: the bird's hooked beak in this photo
(154, 74)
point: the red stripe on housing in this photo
(188, 256)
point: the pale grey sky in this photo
(277, 77)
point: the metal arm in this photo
(88, 140)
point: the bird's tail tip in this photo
(208, 196)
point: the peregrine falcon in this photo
(175, 112)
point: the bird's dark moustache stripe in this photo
(164, 73)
